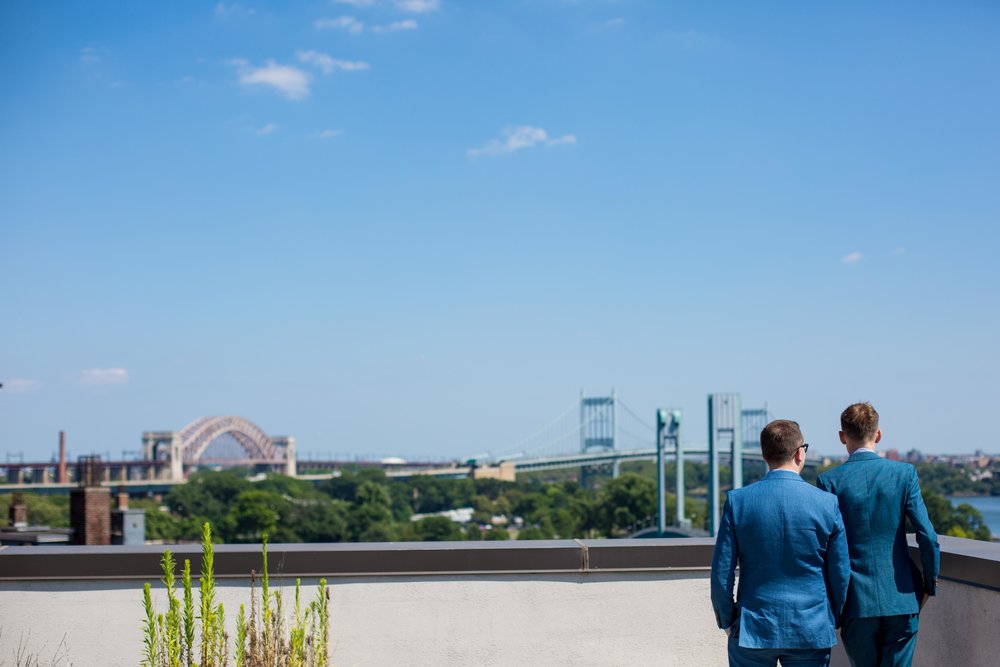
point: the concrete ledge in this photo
(675, 553)
(970, 562)
(566, 602)
(964, 561)
(338, 560)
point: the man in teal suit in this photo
(788, 538)
(887, 591)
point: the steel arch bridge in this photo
(187, 447)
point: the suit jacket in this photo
(876, 497)
(788, 538)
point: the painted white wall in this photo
(645, 618)
(572, 619)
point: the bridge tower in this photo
(286, 445)
(668, 437)
(724, 424)
(154, 441)
(754, 422)
(598, 431)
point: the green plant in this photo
(261, 641)
(206, 590)
(241, 638)
(150, 639)
(173, 620)
(188, 614)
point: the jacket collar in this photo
(863, 455)
(782, 474)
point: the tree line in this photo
(364, 506)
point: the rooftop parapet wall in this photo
(963, 561)
(970, 562)
(375, 559)
(601, 602)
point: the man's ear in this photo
(878, 436)
(843, 438)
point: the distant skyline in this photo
(420, 227)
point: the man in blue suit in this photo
(887, 591)
(788, 538)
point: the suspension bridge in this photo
(602, 432)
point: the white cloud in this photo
(564, 139)
(330, 65)
(616, 22)
(418, 6)
(411, 6)
(692, 40)
(103, 376)
(234, 10)
(348, 23)
(21, 385)
(899, 250)
(324, 135)
(265, 130)
(288, 81)
(852, 258)
(396, 26)
(90, 55)
(513, 139)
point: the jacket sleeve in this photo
(822, 485)
(724, 561)
(930, 551)
(837, 568)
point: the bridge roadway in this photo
(610, 456)
(394, 470)
(135, 464)
(147, 486)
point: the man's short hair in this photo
(779, 440)
(859, 422)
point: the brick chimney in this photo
(90, 505)
(18, 514)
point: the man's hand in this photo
(729, 630)
(923, 600)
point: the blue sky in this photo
(421, 227)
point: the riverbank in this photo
(988, 506)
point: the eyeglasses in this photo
(804, 448)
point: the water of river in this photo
(988, 506)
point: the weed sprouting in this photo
(263, 640)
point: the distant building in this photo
(19, 532)
(462, 515)
(91, 518)
(128, 526)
